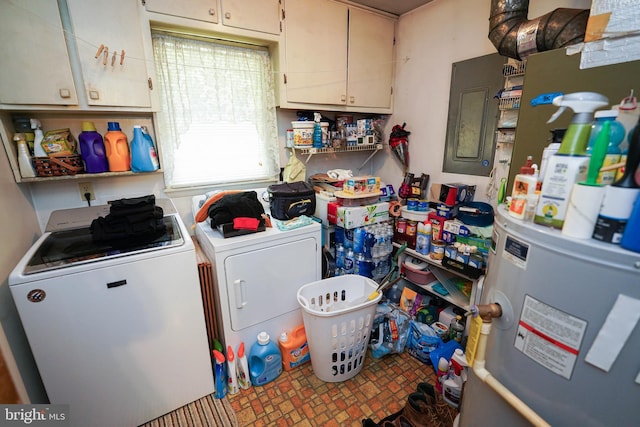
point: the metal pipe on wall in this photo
(515, 36)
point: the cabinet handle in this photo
(352, 99)
(94, 94)
(227, 15)
(116, 284)
(65, 93)
(239, 292)
(212, 11)
(343, 98)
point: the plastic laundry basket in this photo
(338, 317)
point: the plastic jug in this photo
(294, 348)
(92, 149)
(265, 361)
(143, 154)
(117, 146)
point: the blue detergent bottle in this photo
(143, 154)
(265, 360)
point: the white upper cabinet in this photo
(109, 41)
(337, 56)
(35, 66)
(200, 10)
(254, 15)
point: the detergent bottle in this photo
(92, 149)
(569, 164)
(265, 361)
(143, 154)
(24, 158)
(294, 348)
(616, 136)
(117, 147)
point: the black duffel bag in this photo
(291, 199)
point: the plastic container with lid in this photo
(143, 154)
(117, 147)
(92, 149)
(265, 360)
(294, 348)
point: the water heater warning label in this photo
(549, 336)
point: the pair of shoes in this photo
(442, 408)
(420, 411)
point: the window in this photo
(218, 120)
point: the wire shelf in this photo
(517, 68)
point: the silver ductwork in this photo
(517, 37)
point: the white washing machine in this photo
(117, 334)
(257, 277)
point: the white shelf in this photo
(310, 151)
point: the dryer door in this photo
(263, 284)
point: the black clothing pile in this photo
(130, 222)
(232, 206)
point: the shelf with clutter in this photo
(58, 154)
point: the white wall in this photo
(430, 39)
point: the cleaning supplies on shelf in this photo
(24, 158)
(524, 185)
(317, 131)
(117, 147)
(569, 164)
(455, 378)
(244, 382)
(549, 151)
(143, 154)
(613, 151)
(92, 149)
(265, 361)
(38, 149)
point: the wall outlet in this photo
(86, 187)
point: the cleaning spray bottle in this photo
(569, 164)
(243, 368)
(232, 372)
(220, 374)
(317, 131)
(457, 375)
(616, 136)
(38, 149)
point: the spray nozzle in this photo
(317, 117)
(583, 105)
(35, 124)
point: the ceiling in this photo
(397, 7)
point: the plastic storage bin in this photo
(338, 317)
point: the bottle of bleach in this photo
(265, 361)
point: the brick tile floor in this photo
(299, 398)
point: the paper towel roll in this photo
(582, 211)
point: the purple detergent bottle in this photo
(92, 149)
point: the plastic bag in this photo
(294, 170)
(422, 340)
(389, 331)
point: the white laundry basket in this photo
(338, 317)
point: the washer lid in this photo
(66, 248)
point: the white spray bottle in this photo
(232, 375)
(569, 164)
(38, 149)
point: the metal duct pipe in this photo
(517, 37)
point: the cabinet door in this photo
(371, 53)
(256, 15)
(201, 10)
(35, 64)
(316, 51)
(108, 81)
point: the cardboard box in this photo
(448, 193)
(361, 185)
(357, 216)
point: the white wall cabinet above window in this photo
(103, 55)
(337, 55)
(35, 65)
(255, 15)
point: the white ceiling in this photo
(397, 7)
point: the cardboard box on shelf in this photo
(451, 194)
(361, 184)
(357, 216)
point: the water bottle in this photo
(117, 147)
(340, 254)
(143, 154)
(349, 261)
(92, 149)
(348, 238)
(358, 240)
(456, 329)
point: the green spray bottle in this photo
(569, 164)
